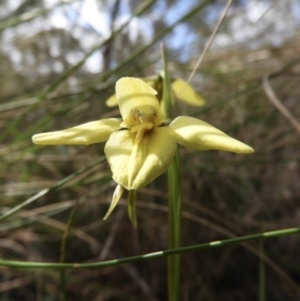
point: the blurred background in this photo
(59, 61)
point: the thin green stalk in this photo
(28, 16)
(174, 186)
(149, 256)
(132, 207)
(262, 255)
(63, 253)
(174, 190)
(262, 272)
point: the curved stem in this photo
(149, 256)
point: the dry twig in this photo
(278, 104)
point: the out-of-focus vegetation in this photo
(59, 62)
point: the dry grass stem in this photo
(278, 104)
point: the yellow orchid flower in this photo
(180, 89)
(140, 146)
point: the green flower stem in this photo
(174, 239)
(174, 189)
(262, 272)
(159, 254)
(132, 206)
(63, 253)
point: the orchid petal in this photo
(134, 165)
(87, 133)
(199, 135)
(115, 199)
(136, 101)
(112, 101)
(186, 93)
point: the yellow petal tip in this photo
(112, 101)
(249, 150)
(37, 139)
(115, 199)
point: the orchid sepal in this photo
(84, 134)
